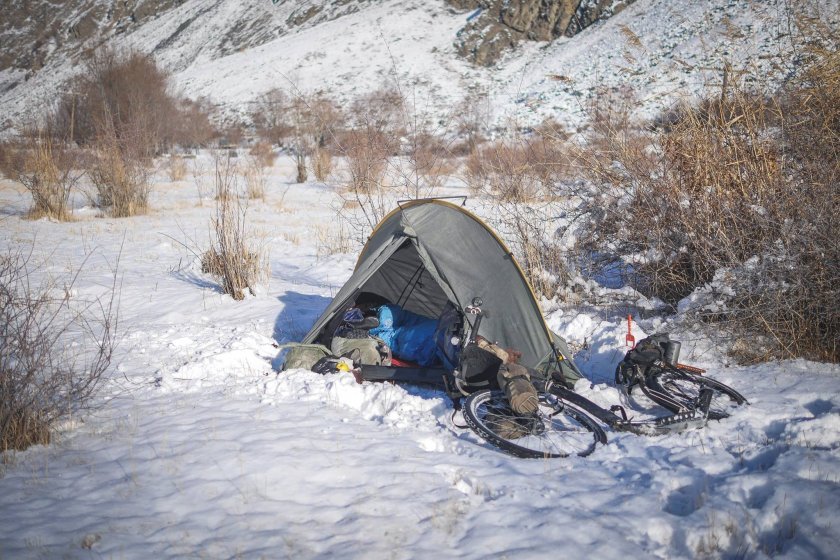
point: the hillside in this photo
(650, 52)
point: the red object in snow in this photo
(629, 339)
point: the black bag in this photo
(479, 367)
(648, 350)
(327, 364)
(639, 360)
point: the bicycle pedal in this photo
(704, 401)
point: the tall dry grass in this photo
(176, 168)
(122, 167)
(255, 176)
(322, 163)
(736, 196)
(49, 169)
(521, 168)
(232, 257)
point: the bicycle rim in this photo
(683, 389)
(559, 429)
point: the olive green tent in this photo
(429, 252)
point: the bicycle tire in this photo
(559, 429)
(679, 390)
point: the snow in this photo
(197, 446)
(649, 55)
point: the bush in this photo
(735, 197)
(255, 177)
(321, 163)
(177, 168)
(231, 258)
(46, 165)
(263, 153)
(523, 168)
(121, 169)
(127, 88)
(53, 352)
(425, 164)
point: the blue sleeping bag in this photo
(411, 337)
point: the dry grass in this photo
(254, 173)
(263, 153)
(203, 180)
(22, 429)
(121, 170)
(322, 164)
(46, 165)
(176, 168)
(332, 239)
(521, 169)
(737, 194)
(232, 258)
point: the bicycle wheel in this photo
(559, 429)
(679, 391)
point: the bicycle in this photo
(567, 423)
(679, 388)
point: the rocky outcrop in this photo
(501, 24)
(32, 30)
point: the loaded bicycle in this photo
(566, 423)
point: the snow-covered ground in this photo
(198, 447)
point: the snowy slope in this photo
(199, 448)
(233, 51)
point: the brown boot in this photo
(520, 392)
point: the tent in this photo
(428, 253)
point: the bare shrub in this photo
(53, 351)
(314, 122)
(424, 166)
(231, 257)
(733, 199)
(123, 88)
(49, 169)
(129, 87)
(176, 168)
(270, 116)
(529, 230)
(366, 154)
(121, 170)
(254, 174)
(202, 179)
(193, 126)
(383, 110)
(232, 134)
(518, 170)
(322, 163)
(472, 118)
(264, 153)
